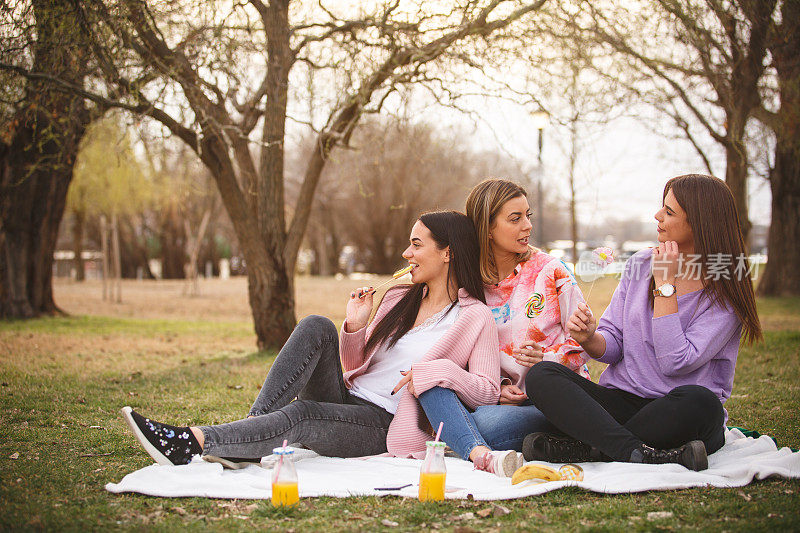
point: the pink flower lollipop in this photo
(601, 258)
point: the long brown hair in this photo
(448, 228)
(711, 213)
(483, 204)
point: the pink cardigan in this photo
(465, 359)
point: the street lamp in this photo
(540, 120)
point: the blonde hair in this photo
(483, 204)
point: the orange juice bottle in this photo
(432, 474)
(284, 479)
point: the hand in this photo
(582, 325)
(664, 263)
(527, 354)
(359, 307)
(511, 395)
(408, 379)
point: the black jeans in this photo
(616, 422)
(325, 417)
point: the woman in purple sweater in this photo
(670, 337)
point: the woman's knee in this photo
(316, 323)
(700, 400)
(541, 373)
(434, 394)
(316, 329)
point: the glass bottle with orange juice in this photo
(432, 473)
(284, 478)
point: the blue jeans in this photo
(498, 427)
(324, 417)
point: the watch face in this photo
(667, 290)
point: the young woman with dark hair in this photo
(670, 337)
(435, 332)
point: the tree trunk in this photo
(782, 275)
(77, 244)
(117, 259)
(573, 162)
(104, 248)
(736, 177)
(34, 193)
(36, 167)
(272, 302)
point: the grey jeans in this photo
(324, 417)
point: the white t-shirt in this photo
(376, 384)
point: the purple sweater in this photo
(697, 345)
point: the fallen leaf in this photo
(180, 510)
(659, 515)
(466, 516)
(744, 495)
(774, 515)
(14, 455)
(388, 523)
(436, 525)
(483, 513)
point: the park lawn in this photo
(61, 436)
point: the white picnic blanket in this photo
(739, 462)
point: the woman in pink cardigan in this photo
(436, 332)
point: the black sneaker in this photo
(692, 455)
(234, 463)
(168, 445)
(556, 449)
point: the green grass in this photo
(63, 381)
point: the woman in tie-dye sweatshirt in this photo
(531, 295)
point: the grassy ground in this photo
(192, 360)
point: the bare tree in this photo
(40, 129)
(194, 56)
(707, 68)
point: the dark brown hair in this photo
(711, 213)
(448, 228)
(483, 204)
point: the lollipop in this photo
(602, 256)
(595, 265)
(400, 273)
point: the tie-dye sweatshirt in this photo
(534, 303)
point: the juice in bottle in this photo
(432, 474)
(284, 479)
(284, 494)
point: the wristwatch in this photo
(666, 290)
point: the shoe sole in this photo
(528, 451)
(511, 462)
(233, 465)
(697, 455)
(151, 450)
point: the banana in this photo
(535, 471)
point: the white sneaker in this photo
(500, 463)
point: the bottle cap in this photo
(283, 451)
(436, 444)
